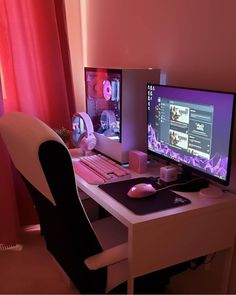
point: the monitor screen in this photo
(192, 128)
(103, 100)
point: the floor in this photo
(32, 270)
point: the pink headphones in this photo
(83, 132)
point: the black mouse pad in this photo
(161, 200)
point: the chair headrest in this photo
(23, 134)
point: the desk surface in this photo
(128, 218)
(175, 235)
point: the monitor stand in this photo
(193, 185)
(190, 183)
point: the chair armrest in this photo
(107, 257)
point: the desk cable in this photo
(157, 180)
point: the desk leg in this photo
(227, 270)
(130, 281)
(130, 285)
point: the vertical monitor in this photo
(191, 128)
(103, 100)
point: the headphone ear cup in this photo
(82, 140)
(91, 142)
(87, 143)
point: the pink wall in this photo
(193, 41)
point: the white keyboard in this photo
(98, 169)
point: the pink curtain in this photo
(35, 60)
(35, 65)
(9, 222)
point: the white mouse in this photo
(141, 190)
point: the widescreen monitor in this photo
(103, 100)
(191, 128)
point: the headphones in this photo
(83, 132)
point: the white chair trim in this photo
(24, 158)
(107, 257)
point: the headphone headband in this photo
(87, 121)
(86, 139)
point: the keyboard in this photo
(98, 169)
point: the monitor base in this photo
(211, 192)
(192, 185)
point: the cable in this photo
(196, 262)
(211, 257)
(177, 184)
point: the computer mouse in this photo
(141, 190)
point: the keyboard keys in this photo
(104, 167)
(95, 166)
(86, 173)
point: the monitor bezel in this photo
(189, 168)
(103, 70)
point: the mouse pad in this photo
(162, 200)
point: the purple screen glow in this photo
(191, 127)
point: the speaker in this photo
(137, 161)
(168, 173)
(83, 133)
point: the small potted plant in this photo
(65, 135)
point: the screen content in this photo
(103, 100)
(191, 127)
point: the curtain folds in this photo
(35, 69)
(35, 60)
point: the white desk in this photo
(165, 238)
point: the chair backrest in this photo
(45, 164)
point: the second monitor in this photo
(192, 128)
